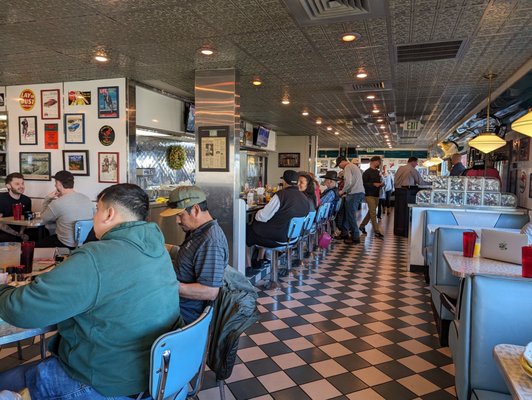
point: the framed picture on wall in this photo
(76, 162)
(27, 130)
(108, 102)
(108, 167)
(289, 160)
(524, 149)
(35, 166)
(75, 128)
(50, 104)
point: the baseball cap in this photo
(182, 198)
(339, 160)
(64, 177)
(290, 176)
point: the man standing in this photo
(330, 195)
(353, 191)
(14, 195)
(110, 300)
(407, 179)
(64, 207)
(458, 168)
(372, 184)
(200, 261)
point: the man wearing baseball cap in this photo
(64, 207)
(270, 225)
(200, 261)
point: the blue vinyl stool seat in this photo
(81, 230)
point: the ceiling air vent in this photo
(310, 12)
(367, 87)
(428, 51)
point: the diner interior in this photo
(433, 303)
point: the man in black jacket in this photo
(372, 184)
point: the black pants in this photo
(401, 222)
(51, 241)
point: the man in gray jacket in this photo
(353, 191)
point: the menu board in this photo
(214, 148)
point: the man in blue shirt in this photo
(200, 261)
(330, 195)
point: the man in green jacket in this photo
(110, 300)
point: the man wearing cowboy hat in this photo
(330, 195)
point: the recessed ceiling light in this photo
(370, 96)
(336, 133)
(319, 121)
(329, 128)
(304, 113)
(350, 36)
(375, 111)
(155, 120)
(358, 145)
(361, 73)
(382, 127)
(256, 81)
(207, 50)
(380, 120)
(101, 56)
(386, 136)
(285, 101)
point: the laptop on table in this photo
(502, 246)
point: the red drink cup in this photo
(26, 256)
(17, 211)
(527, 261)
(469, 243)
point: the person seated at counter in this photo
(305, 184)
(64, 207)
(14, 195)
(330, 195)
(110, 300)
(457, 167)
(483, 168)
(199, 263)
(270, 225)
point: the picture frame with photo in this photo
(74, 127)
(50, 104)
(108, 102)
(289, 160)
(108, 167)
(27, 130)
(524, 149)
(76, 162)
(36, 166)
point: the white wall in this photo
(287, 144)
(85, 184)
(155, 110)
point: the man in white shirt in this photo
(354, 192)
(408, 176)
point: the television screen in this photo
(190, 117)
(263, 135)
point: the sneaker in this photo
(363, 230)
(341, 236)
(352, 241)
(379, 235)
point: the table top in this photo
(10, 333)
(464, 266)
(519, 383)
(478, 229)
(22, 222)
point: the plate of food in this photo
(526, 360)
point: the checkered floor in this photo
(354, 325)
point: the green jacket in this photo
(111, 299)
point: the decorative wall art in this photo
(74, 128)
(27, 130)
(76, 162)
(35, 166)
(108, 167)
(51, 136)
(289, 160)
(214, 148)
(106, 135)
(79, 98)
(26, 99)
(524, 149)
(108, 102)
(50, 104)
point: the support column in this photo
(218, 105)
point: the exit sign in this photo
(412, 125)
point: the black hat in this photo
(332, 175)
(64, 177)
(339, 160)
(290, 176)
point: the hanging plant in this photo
(176, 157)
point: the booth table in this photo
(24, 223)
(507, 357)
(464, 266)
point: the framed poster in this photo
(289, 160)
(79, 98)
(530, 186)
(108, 102)
(76, 162)
(50, 104)
(214, 148)
(524, 149)
(74, 128)
(35, 166)
(108, 167)
(51, 136)
(27, 130)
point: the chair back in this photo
(295, 228)
(177, 356)
(322, 213)
(81, 230)
(311, 217)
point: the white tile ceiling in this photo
(157, 40)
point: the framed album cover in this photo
(76, 162)
(108, 167)
(27, 130)
(50, 104)
(108, 102)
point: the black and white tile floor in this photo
(355, 325)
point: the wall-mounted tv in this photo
(190, 117)
(262, 137)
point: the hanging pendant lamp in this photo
(487, 141)
(524, 124)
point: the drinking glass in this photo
(527, 261)
(469, 239)
(9, 254)
(17, 211)
(26, 256)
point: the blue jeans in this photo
(352, 202)
(48, 380)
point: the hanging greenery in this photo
(176, 157)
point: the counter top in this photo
(467, 208)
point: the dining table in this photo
(465, 266)
(11, 334)
(507, 357)
(24, 224)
